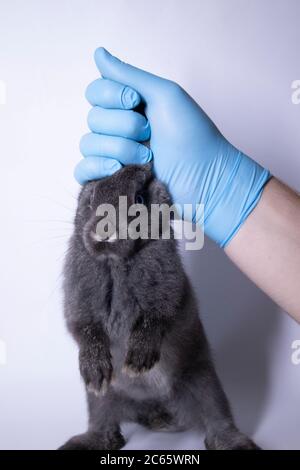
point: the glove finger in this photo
(126, 151)
(113, 68)
(94, 168)
(116, 122)
(110, 94)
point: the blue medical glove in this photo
(194, 160)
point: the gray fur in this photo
(143, 353)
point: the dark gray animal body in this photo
(143, 354)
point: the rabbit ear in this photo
(158, 193)
(147, 168)
(144, 175)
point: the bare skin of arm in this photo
(267, 246)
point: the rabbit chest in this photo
(116, 304)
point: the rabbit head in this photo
(102, 218)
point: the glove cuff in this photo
(235, 195)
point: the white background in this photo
(238, 59)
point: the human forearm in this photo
(267, 246)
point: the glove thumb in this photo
(114, 69)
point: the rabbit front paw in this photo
(141, 358)
(95, 368)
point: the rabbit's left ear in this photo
(147, 170)
(148, 167)
(145, 174)
(158, 193)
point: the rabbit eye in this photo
(139, 199)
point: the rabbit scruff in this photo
(143, 353)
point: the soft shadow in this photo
(242, 324)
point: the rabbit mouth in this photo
(97, 244)
(96, 237)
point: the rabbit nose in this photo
(106, 233)
(107, 238)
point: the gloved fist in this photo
(194, 160)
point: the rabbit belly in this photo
(154, 383)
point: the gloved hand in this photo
(191, 156)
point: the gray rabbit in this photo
(143, 353)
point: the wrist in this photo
(236, 193)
